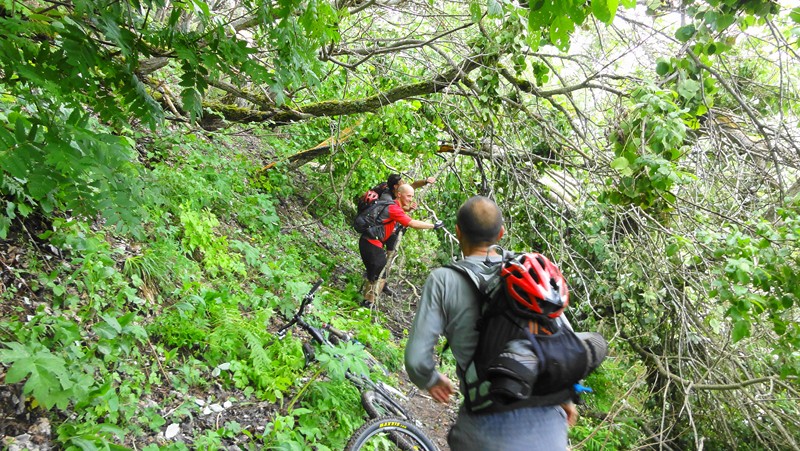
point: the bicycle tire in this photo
(406, 435)
(377, 405)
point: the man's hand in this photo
(430, 180)
(572, 413)
(442, 390)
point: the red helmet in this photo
(536, 285)
(369, 197)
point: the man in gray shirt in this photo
(450, 306)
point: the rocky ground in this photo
(23, 427)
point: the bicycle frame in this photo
(362, 382)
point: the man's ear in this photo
(458, 232)
(502, 232)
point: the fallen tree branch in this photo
(690, 385)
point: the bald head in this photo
(405, 189)
(405, 196)
(480, 221)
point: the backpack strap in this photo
(470, 271)
(481, 277)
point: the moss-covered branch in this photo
(284, 115)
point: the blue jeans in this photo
(527, 429)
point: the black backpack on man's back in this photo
(371, 220)
(373, 211)
(527, 355)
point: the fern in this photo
(271, 367)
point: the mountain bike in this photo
(378, 398)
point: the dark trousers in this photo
(374, 258)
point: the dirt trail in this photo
(434, 418)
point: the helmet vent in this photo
(534, 276)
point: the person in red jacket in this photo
(390, 245)
(371, 248)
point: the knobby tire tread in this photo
(402, 432)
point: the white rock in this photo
(227, 404)
(216, 408)
(172, 430)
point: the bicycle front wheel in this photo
(389, 433)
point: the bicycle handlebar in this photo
(315, 288)
(297, 317)
(308, 297)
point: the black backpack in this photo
(370, 222)
(519, 362)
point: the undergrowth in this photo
(195, 301)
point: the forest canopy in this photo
(650, 148)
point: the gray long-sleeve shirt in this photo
(449, 307)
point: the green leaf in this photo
(475, 11)
(494, 9)
(41, 186)
(19, 130)
(685, 33)
(46, 373)
(605, 10)
(192, 102)
(109, 329)
(560, 31)
(795, 15)
(620, 163)
(83, 444)
(663, 67)
(672, 249)
(5, 224)
(741, 330)
(688, 89)
(6, 139)
(15, 162)
(724, 21)
(201, 7)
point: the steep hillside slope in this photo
(184, 400)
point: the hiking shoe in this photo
(388, 291)
(367, 304)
